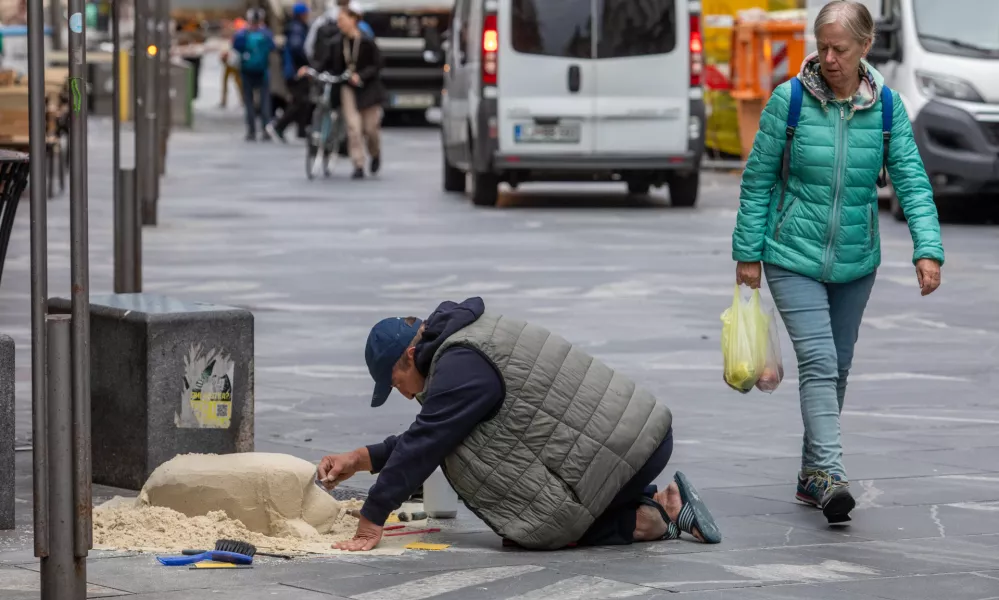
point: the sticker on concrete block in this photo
(206, 402)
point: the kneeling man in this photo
(547, 445)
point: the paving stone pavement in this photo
(636, 283)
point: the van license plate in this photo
(413, 101)
(563, 133)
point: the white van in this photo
(573, 90)
(943, 59)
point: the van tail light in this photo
(490, 50)
(696, 51)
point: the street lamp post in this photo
(60, 344)
(127, 221)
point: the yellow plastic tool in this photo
(218, 565)
(426, 546)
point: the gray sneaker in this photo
(831, 493)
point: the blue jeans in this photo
(823, 322)
(261, 84)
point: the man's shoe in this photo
(251, 137)
(831, 493)
(272, 131)
(358, 173)
(265, 137)
(376, 163)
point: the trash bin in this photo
(168, 377)
(14, 171)
(181, 93)
(101, 78)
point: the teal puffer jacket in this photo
(828, 227)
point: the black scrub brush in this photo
(238, 547)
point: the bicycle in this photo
(328, 129)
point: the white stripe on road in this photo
(444, 583)
(982, 506)
(971, 478)
(584, 587)
(877, 415)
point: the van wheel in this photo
(485, 189)
(683, 189)
(454, 179)
(638, 188)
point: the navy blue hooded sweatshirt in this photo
(466, 390)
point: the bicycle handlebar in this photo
(325, 77)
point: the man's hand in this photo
(337, 468)
(928, 274)
(749, 273)
(367, 537)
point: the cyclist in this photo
(362, 96)
(324, 29)
(255, 44)
(293, 59)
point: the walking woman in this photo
(813, 228)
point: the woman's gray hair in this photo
(852, 15)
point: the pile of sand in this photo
(129, 526)
(269, 500)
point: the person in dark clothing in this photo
(293, 59)
(362, 97)
(255, 44)
(464, 373)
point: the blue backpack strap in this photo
(887, 110)
(793, 114)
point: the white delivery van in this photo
(573, 90)
(942, 56)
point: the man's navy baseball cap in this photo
(387, 342)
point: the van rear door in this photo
(643, 77)
(546, 78)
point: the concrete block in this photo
(6, 432)
(168, 377)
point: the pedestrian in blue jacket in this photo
(255, 44)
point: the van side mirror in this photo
(887, 42)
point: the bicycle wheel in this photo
(331, 154)
(311, 147)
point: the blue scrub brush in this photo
(216, 555)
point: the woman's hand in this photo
(749, 273)
(355, 79)
(928, 274)
(367, 537)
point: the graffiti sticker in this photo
(206, 402)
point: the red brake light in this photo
(696, 51)
(490, 50)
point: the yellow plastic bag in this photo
(745, 341)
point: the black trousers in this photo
(299, 111)
(616, 526)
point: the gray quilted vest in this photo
(569, 434)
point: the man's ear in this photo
(411, 352)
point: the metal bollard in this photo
(59, 578)
(79, 246)
(128, 236)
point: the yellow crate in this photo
(722, 129)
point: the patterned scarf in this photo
(811, 77)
